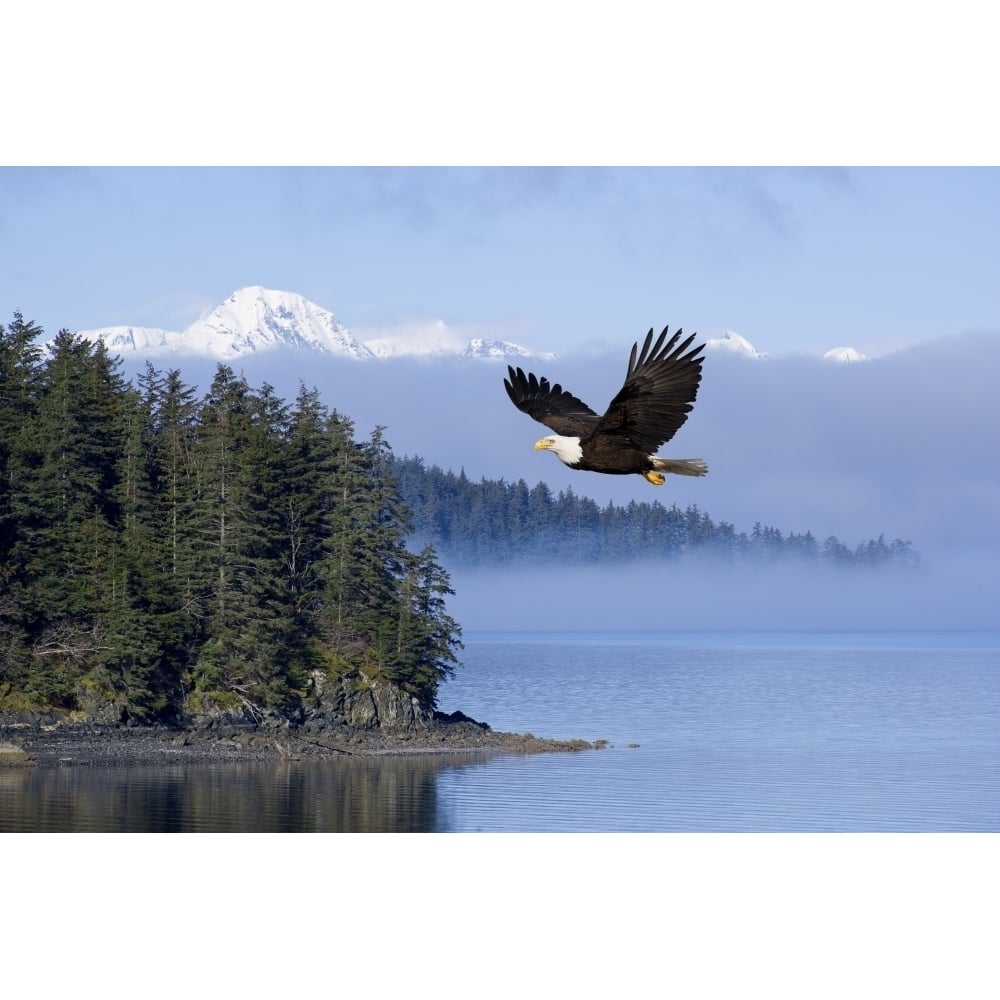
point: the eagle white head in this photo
(567, 449)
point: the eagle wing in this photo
(551, 405)
(659, 390)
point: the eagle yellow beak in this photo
(543, 444)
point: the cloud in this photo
(412, 337)
(432, 197)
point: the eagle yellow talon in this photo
(656, 478)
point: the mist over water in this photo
(951, 594)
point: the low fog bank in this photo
(956, 592)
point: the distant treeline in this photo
(495, 522)
(165, 554)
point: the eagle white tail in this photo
(680, 466)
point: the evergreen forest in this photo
(493, 522)
(165, 553)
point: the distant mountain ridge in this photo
(732, 343)
(844, 355)
(255, 320)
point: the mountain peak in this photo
(256, 319)
(844, 355)
(252, 320)
(733, 343)
(500, 350)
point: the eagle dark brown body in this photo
(659, 391)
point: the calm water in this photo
(708, 732)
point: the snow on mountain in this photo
(492, 350)
(254, 320)
(844, 355)
(258, 319)
(733, 343)
(126, 339)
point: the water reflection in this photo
(725, 734)
(367, 795)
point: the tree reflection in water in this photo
(351, 795)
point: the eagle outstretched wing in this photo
(551, 405)
(659, 390)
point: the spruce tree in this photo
(349, 564)
(68, 513)
(249, 631)
(20, 372)
(19, 377)
(427, 637)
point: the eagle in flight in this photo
(659, 391)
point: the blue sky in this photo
(794, 259)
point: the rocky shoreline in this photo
(340, 719)
(45, 741)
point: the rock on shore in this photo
(11, 755)
(339, 722)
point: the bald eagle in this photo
(659, 390)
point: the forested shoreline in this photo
(168, 554)
(493, 522)
(164, 553)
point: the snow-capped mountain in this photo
(258, 319)
(482, 347)
(733, 343)
(251, 320)
(844, 355)
(145, 340)
(254, 320)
